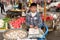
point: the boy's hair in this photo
(33, 4)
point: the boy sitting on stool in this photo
(33, 19)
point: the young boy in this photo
(33, 19)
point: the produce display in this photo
(56, 22)
(3, 23)
(48, 17)
(17, 22)
(15, 34)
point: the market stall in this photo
(21, 34)
(16, 28)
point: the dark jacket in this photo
(1, 5)
(36, 20)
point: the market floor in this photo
(3, 15)
(55, 35)
(1, 36)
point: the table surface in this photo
(17, 10)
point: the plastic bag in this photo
(35, 33)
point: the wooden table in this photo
(15, 12)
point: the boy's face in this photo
(33, 9)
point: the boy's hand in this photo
(31, 26)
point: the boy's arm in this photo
(27, 20)
(39, 21)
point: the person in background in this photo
(8, 7)
(2, 7)
(33, 19)
(20, 6)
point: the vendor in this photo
(8, 7)
(20, 6)
(33, 19)
(2, 7)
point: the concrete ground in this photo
(1, 15)
(1, 36)
(55, 35)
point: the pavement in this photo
(55, 35)
(1, 15)
(1, 36)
